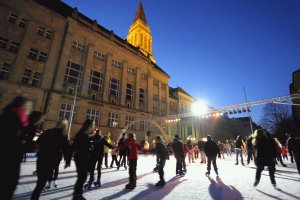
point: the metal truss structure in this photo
(239, 108)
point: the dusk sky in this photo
(212, 48)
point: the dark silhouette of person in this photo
(122, 153)
(266, 155)
(82, 148)
(97, 153)
(211, 150)
(13, 124)
(52, 143)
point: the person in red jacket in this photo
(284, 153)
(133, 146)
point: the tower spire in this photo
(140, 14)
(139, 34)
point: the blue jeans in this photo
(237, 152)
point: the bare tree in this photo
(274, 115)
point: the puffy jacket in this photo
(211, 148)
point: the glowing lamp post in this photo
(199, 107)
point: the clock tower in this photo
(139, 34)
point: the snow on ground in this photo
(234, 182)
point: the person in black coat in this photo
(97, 153)
(250, 150)
(163, 155)
(52, 143)
(122, 153)
(13, 122)
(82, 147)
(266, 155)
(211, 150)
(179, 154)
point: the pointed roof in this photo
(140, 14)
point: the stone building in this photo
(295, 88)
(46, 54)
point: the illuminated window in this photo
(113, 119)
(93, 114)
(65, 112)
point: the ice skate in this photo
(54, 185)
(48, 186)
(130, 186)
(256, 183)
(97, 183)
(207, 173)
(88, 186)
(160, 183)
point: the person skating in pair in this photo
(97, 153)
(132, 146)
(52, 144)
(162, 153)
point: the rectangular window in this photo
(99, 56)
(144, 76)
(5, 71)
(142, 96)
(143, 125)
(23, 23)
(41, 30)
(26, 77)
(14, 46)
(73, 74)
(65, 112)
(96, 81)
(131, 71)
(114, 87)
(33, 53)
(113, 119)
(93, 114)
(163, 100)
(129, 92)
(116, 63)
(129, 120)
(12, 18)
(43, 57)
(155, 110)
(3, 42)
(155, 83)
(155, 97)
(163, 86)
(78, 46)
(36, 79)
(49, 34)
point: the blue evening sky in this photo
(212, 48)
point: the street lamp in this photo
(199, 107)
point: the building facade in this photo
(295, 88)
(54, 53)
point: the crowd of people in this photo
(90, 149)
